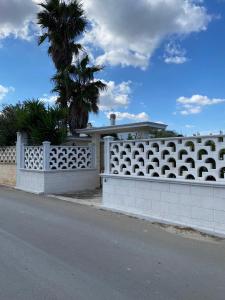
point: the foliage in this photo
(164, 133)
(32, 116)
(62, 23)
(84, 92)
(8, 125)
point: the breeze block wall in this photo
(8, 166)
(177, 181)
(55, 169)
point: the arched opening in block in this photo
(128, 147)
(201, 170)
(149, 168)
(155, 174)
(222, 172)
(190, 177)
(164, 168)
(127, 173)
(210, 178)
(128, 161)
(191, 145)
(141, 160)
(200, 154)
(165, 153)
(172, 145)
(141, 147)
(222, 154)
(135, 154)
(191, 162)
(140, 174)
(211, 144)
(149, 153)
(212, 162)
(155, 146)
(172, 161)
(135, 168)
(171, 175)
(156, 161)
(181, 154)
(182, 169)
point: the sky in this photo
(164, 60)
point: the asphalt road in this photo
(50, 249)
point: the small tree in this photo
(41, 123)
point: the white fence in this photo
(64, 158)
(7, 155)
(173, 180)
(193, 158)
(33, 158)
(49, 157)
(55, 169)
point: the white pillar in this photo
(97, 143)
(107, 141)
(92, 147)
(46, 155)
(21, 141)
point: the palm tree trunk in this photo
(78, 117)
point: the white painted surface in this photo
(30, 181)
(57, 182)
(196, 205)
(198, 158)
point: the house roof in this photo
(143, 126)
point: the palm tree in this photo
(85, 93)
(62, 23)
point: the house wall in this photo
(197, 205)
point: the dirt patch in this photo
(188, 232)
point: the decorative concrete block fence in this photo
(55, 169)
(172, 180)
(8, 165)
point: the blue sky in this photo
(168, 65)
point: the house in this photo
(94, 135)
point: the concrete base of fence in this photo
(190, 204)
(57, 182)
(8, 174)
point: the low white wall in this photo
(8, 174)
(57, 182)
(197, 205)
(30, 181)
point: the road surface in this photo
(50, 249)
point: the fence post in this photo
(92, 147)
(21, 141)
(107, 141)
(46, 155)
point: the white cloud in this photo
(49, 99)
(120, 116)
(196, 103)
(4, 91)
(17, 17)
(174, 54)
(127, 37)
(128, 32)
(115, 96)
